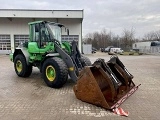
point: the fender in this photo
(22, 50)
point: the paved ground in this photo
(30, 98)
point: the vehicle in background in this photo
(108, 49)
(116, 50)
(102, 49)
(94, 50)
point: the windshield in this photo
(55, 31)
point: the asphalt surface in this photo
(30, 98)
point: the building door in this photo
(5, 44)
(19, 39)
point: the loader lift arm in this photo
(73, 61)
(68, 61)
(75, 55)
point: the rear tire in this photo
(21, 67)
(55, 72)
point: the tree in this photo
(127, 39)
(104, 39)
(151, 36)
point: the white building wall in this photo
(87, 48)
(74, 26)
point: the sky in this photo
(142, 16)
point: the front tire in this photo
(55, 72)
(21, 67)
(85, 61)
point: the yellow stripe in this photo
(71, 68)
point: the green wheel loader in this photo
(105, 84)
(45, 50)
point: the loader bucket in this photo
(104, 84)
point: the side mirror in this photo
(67, 31)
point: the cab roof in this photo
(30, 23)
(35, 22)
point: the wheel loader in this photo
(45, 50)
(105, 84)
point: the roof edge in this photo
(34, 10)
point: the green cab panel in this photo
(67, 46)
(35, 57)
(33, 47)
(48, 47)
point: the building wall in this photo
(19, 26)
(87, 48)
(75, 28)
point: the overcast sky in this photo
(113, 15)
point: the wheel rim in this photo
(19, 66)
(50, 73)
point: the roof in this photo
(33, 13)
(34, 10)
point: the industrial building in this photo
(148, 47)
(14, 27)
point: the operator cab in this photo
(43, 32)
(43, 35)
